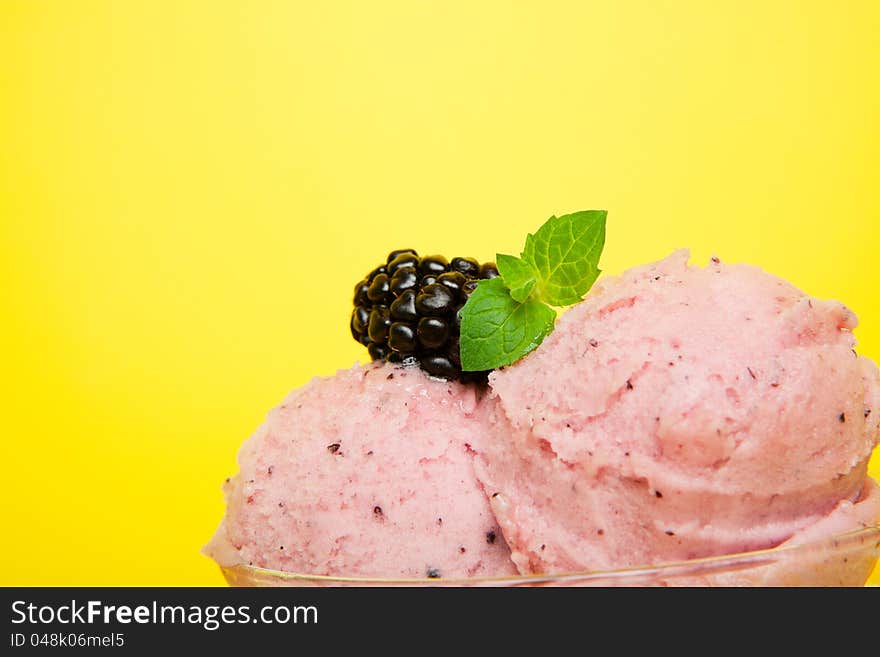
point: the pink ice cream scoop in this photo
(681, 412)
(368, 473)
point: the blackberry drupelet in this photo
(407, 310)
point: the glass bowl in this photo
(842, 560)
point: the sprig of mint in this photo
(507, 317)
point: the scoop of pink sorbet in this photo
(368, 473)
(681, 412)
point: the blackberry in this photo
(408, 310)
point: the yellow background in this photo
(189, 191)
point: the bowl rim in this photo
(699, 566)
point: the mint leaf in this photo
(497, 330)
(507, 317)
(519, 275)
(565, 253)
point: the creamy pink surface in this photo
(367, 473)
(681, 412)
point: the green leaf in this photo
(507, 317)
(565, 252)
(497, 330)
(518, 274)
